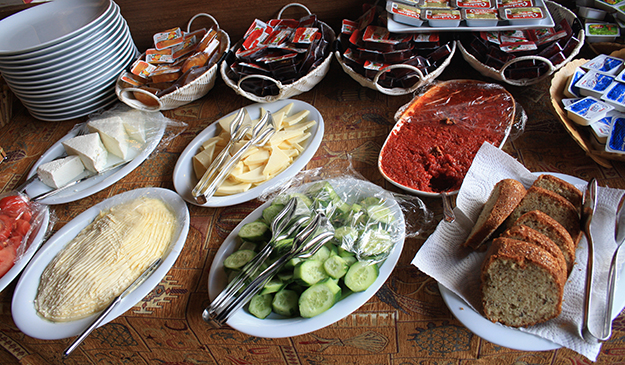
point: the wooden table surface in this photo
(406, 322)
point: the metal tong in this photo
(222, 166)
(305, 244)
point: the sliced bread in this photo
(521, 284)
(559, 186)
(502, 201)
(527, 234)
(554, 205)
(548, 226)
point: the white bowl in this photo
(66, 59)
(276, 326)
(48, 24)
(72, 74)
(59, 51)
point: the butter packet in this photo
(616, 139)
(587, 110)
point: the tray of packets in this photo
(525, 56)
(407, 16)
(180, 68)
(280, 58)
(392, 63)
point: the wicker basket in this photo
(579, 134)
(373, 84)
(558, 12)
(285, 91)
(184, 95)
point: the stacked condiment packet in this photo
(458, 269)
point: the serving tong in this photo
(305, 244)
(223, 164)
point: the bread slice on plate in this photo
(559, 186)
(548, 226)
(550, 203)
(527, 234)
(522, 284)
(503, 199)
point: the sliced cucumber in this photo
(335, 266)
(375, 242)
(380, 213)
(304, 198)
(346, 235)
(285, 303)
(260, 305)
(238, 259)
(319, 298)
(272, 286)
(247, 245)
(255, 231)
(322, 254)
(271, 211)
(309, 272)
(361, 275)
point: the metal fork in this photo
(239, 127)
(261, 133)
(278, 225)
(303, 245)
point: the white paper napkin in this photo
(458, 269)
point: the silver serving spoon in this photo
(619, 236)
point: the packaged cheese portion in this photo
(58, 173)
(104, 258)
(90, 149)
(113, 135)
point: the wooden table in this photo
(406, 322)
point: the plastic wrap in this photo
(96, 153)
(23, 225)
(370, 220)
(439, 132)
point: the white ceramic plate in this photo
(48, 24)
(396, 130)
(22, 305)
(98, 182)
(34, 241)
(508, 336)
(70, 112)
(275, 326)
(184, 177)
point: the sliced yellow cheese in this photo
(280, 136)
(202, 161)
(300, 138)
(253, 176)
(296, 118)
(304, 125)
(229, 188)
(261, 155)
(280, 115)
(210, 142)
(224, 122)
(277, 161)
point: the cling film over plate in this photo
(20, 219)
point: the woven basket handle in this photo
(254, 96)
(200, 15)
(290, 6)
(525, 58)
(390, 67)
(125, 95)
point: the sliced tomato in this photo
(7, 259)
(21, 227)
(6, 226)
(14, 206)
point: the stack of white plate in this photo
(61, 58)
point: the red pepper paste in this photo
(438, 135)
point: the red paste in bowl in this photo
(438, 134)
